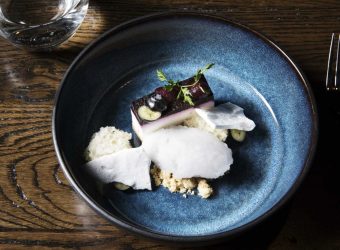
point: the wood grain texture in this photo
(38, 208)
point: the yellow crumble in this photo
(184, 186)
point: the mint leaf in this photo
(197, 76)
(161, 76)
(200, 72)
(184, 89)
(208, 66)
(188, 100)
(168, 87)
(187, 96)
(172, 82)
(179, 93)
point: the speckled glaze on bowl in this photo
(249, 71)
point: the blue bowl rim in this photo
(203, 239)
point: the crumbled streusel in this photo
(185, 186)
(204, 189)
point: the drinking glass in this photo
(40, 24)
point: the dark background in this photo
(39, 209)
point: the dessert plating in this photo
(183, 136)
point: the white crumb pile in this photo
(185, 186)
(195, 121)
(107, 140)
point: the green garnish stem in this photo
(183, 90)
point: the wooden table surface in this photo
(39, 209)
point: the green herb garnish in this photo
(200, 72)
(184, 91)
(170, 83)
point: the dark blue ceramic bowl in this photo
(249, 70)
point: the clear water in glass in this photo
(40, 24)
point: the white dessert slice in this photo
(128, 166)
(171, 104)
(226, 116)
(166, 121)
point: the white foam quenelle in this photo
(128, 166)
(188, 152)
(226, 116)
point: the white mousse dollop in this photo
(188, 152)
(128, 166)
(226, 116)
